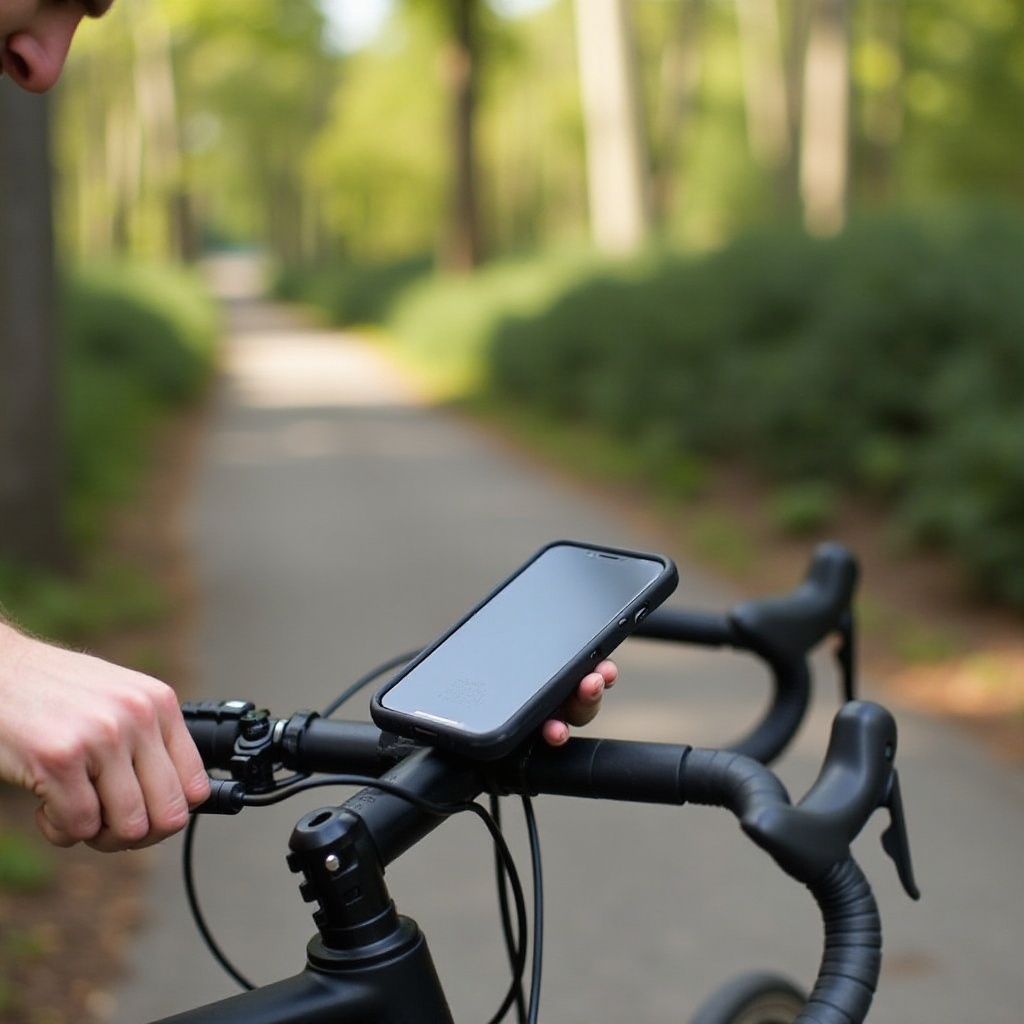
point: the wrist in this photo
(14, 647)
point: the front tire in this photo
(754, 998)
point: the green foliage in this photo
(73, 609)
(353, 292)
(176, 107)
(963, 97)
(442, 324)
(805, 508)
(137, 342)
(25, 865)
(379, 162)
(154, 327)
(285, 142)
(888, 360)
(724, 542)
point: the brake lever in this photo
(857, 778)
(895, 840)
(846, 655)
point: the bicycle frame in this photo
(401, 986)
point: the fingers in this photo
(124, 776)
(583, 706)
(191, 774)
(72, 811)
(147, 798)
(126, 819)
(585, 703)
(555, 732)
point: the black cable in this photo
(430, 806)
(538, 908)
(504, 862)
(516, 950)
(197, 915)
(445, 811)
(365, 680)
(514, 953)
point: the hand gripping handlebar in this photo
(782, 631)
(810, 840)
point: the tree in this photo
(461, 35)
(679, 79)
(174, 108)
(156, 104)
(31, 524)
(254, 83)
(769, 122)
(825, 138)
(617, 161)
(121, 142)
(464, 249)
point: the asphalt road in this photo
(338, 520)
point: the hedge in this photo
(137, 342)
(888, 360)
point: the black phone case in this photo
(546, 700)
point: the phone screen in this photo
(481, 674)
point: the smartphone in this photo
(490, 681)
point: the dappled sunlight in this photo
(290, 370)
(236, 275)
(983, 683)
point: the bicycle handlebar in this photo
(810, 840)
(781, 630)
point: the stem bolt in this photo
(332, 863)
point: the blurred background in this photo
(676, 200)
(674, 239)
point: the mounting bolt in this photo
(255, 724)
(332, 863)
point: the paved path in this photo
(337, 521)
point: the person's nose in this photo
(34, 57)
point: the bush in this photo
(889, 359)
(137, 342)
(154, 328)
(353, 293)
(443, 325)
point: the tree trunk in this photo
(156, 108)
(825, 143)
(768, 128)
(883, 111)
(31, 522)
(464, 249)
(617, 162)
(796, 29)
(680, 79)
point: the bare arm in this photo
(103, 748)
